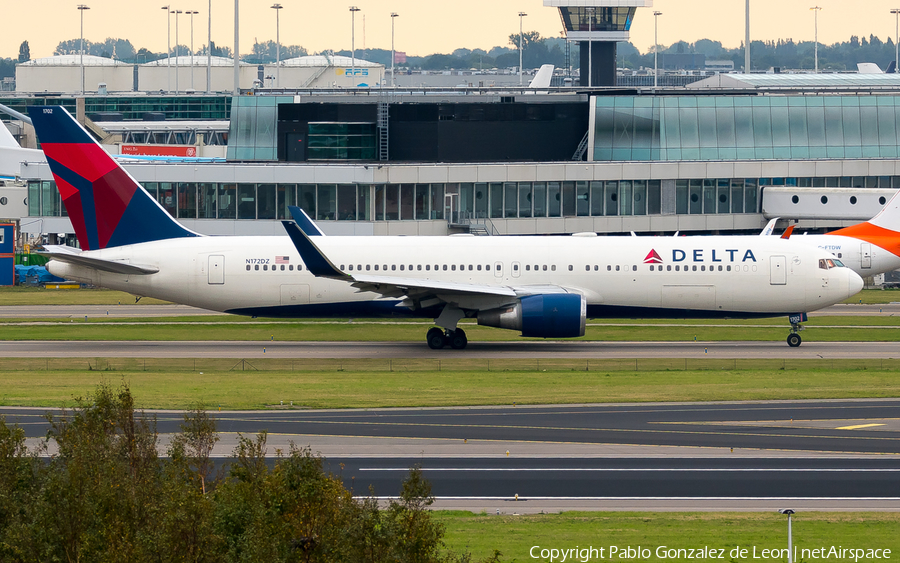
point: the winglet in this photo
(305, 223)
(788, 232)
(317, 263)
(769, 228)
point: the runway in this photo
(839, 455)
(585, 350)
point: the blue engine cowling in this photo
(549, 315)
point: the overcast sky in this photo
(424, 26)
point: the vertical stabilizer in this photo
(106, 205)
(889, 216)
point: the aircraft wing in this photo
(74, 256)
(391, 286)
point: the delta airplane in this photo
(869, 248)
(541, 286)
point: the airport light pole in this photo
(393, 55)
(896, 13)
(788, 512)
(590, 11)
(521, 15)
(191, 13)
(167, 8)
(81, 9)
(816, 9)
(209, 48)
(237, 50)
(353, 10)
(747, 40)
(277, 8)
(176, 12)
(656, 48)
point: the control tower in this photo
(597, 25)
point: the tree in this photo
(24, 52)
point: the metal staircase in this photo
(383, 130)
(582, 147)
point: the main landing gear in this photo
(793, 338)
(439, 338)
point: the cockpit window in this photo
(828, 263)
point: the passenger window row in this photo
(694, 268)
(275, 267)
(419, 267)
(479, 268)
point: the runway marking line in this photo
(635, 470)
(611, 409)
(858, 426)
(571, 443)
(576, 429)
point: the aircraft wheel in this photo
(458, 339)
(794, 340)
(436, 339)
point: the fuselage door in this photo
(778, 270)
(865, 255)
(516, 269)
(498, 269)
(216, 269)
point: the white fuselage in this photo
(864, 258)
(718, 275)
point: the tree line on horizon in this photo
(107, 494)
(537, 50)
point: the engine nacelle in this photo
(551, 315)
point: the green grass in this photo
(41, 296)
(820, 329)
(875, 296)
(258, 384)
(514, 536)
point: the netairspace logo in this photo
(664, 552)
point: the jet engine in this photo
(553, 315)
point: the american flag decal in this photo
(282, 259)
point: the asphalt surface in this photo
(475, 350)
(840, 455)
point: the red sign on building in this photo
(159, 150)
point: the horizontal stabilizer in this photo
(72, 256)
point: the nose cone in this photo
(854, 282)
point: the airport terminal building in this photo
(714, 159)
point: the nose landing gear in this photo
(793, 338)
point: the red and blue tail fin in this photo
(106, 205)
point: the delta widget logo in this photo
(653, 258)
